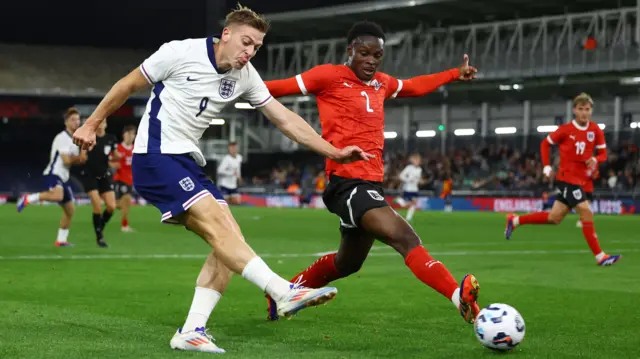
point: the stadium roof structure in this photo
(334, 21)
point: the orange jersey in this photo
(446, 188)
(577, 145)
(320, 183)
(124, 174)
(352, 111)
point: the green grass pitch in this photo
(128, 300)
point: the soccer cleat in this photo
(127, 229)
(510, 227)
(63, 244)
(609, 260)
(102, 244)
(469, 292)
(198, 340)
(299, 298)
(22, 203)
(579, 224)
(272, 309)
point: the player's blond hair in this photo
(582, 99)
(242, 15)
(70, 112)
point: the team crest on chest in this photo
(226, 88)
(591, 136)
(376, 84)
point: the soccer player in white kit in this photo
(192, 81)
(63, 155)
(229, 174)
(411, 178)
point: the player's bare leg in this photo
(124, 204)
(555, 216)
(589, 232)
(68, 210)
(355, 245)
(579, 221)
(55, 194)
(217, 227)
(98, 225)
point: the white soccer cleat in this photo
(299, 298)
(198, 340)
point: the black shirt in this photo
(97, 163)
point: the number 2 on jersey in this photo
(580, 146)
(363, 93)
(203, 105)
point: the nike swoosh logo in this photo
(190, 79)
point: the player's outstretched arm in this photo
(297, 129)
(135, 81)
(424, 84)
(286, 87)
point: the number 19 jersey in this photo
(188, 92)
(576, 144)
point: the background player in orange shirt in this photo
(447, 189)
(350, 101)
(577, 141)
(124, 177)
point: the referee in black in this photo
(97, 182)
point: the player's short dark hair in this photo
(365, 28)
(129, 128)
(70, 112)
(242, 15)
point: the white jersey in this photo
(188, 92)
(62, 145)
(410, 177)
(229, 171)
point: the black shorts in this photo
(589, 196)
(123, 189)
(351, 198)
(101, 184)
(570, 194)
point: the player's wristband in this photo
(547, 170)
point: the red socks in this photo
(320, 273)
(534, 218)
(125, 222)
(589, 232)
(431, 272)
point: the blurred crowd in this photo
(491, 167)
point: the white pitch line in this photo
(299, 255)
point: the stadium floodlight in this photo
(390, 134)
(505, 130)
(550, 128)
(426, 133)
(634, 124)
(217, 122)
(243, 106)
(602, 126)
(464, 132)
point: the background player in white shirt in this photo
(193, 80)
(64, 154)
(230, 175)
(411, 177)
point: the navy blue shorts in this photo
(410, 196)
(53, 181)
(172, 183)
(228, 191)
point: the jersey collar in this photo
(582, 128)
(211, 40)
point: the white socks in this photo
(34, 197)
(259, 273)
(62, 235)
(455, 298)
(599, 256)
(412, 210)
(204, 300)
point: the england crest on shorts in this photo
(591, 136)
(226, 88)
(187, 184)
